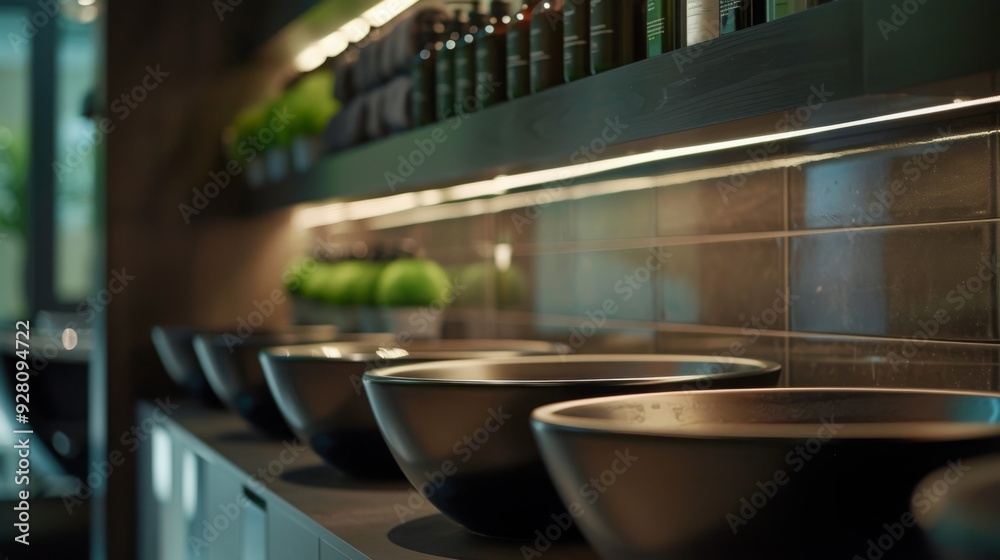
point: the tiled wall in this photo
(866, 260)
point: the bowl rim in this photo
(398, 375)
(550, 417)
(357, 349)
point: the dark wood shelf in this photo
(714, 91)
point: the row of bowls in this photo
(516, 439)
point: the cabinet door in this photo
(288, 540)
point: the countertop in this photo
(359, 519)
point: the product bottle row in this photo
(480, 57)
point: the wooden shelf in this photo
(718, 90)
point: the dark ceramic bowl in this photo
(319, 391)
(459, 430)
(958, 507)
(231, 366)
(758, 473)
(175, 346)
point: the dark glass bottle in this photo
(444, 69)
(615, 39)
(491, 56)
(576, 39)
(546, 45)
(519, 53)
(735, 15)
(663, 21)
(422, 72)
(465, 63)
(781, 8)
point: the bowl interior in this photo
(787, 413)
(574, 370)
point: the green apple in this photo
(412, 283)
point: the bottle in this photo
(491, 56)
(662, 31)
(444, 69)
(782, 8)
(701, 21)
(519, 53)
(614, 33)
(576, 39)
(465, 63)
(422, 72)
(546, 45)
(735, 15)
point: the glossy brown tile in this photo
(618, 285)
(825, 362)
(733, 284)
(936, 281)
(936, 173)
(736, 203)
(621, 215)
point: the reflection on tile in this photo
(938, 281)
(460, 232)
(733, 284)
(931, 178)
(616, 216)
(819, 362)
(552, 286)
(606, 341)
(738, 203)
(617, 285)
(753, 344)
(543, 222)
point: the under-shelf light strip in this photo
(332, 213)
(513, 201)
(351, 32)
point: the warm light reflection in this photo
(337, 212)
(383, 12)
(69, 339)
(356, 29)
(502, 254)
(334, 44)
(311, 58)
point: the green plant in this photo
(14, 185)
